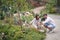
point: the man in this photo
(36, 22)
(49, 22)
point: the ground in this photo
(56, 35)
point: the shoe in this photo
(51, 31)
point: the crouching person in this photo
(36, 22)
(49, 23)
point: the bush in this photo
(27, 18)
(1, 15)
(50, 7)
(14, 32)
(53, 10)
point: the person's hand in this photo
(41, 23)
(38, 23)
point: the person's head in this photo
(37, 17)
(45, 15)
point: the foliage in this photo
(14, 32)
(27, 18)
(58, 3)
(50, 6)
(2, 15)
(12, 5)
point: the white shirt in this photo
(49, 20)
(34, 21)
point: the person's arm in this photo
(32, 21)
(47, 20)
(39, 23)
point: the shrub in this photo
(1, 15)
(14, 32)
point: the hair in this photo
(36, 15)
(45, 15)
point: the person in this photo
(36, 21)
(49, 22)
